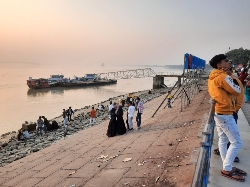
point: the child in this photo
(169, 99)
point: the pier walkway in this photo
(162, 153)
(215, 179)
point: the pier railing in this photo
(202, 167)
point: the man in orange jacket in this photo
(223, 89)
(239, 99)
(92, 116)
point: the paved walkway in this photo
(164, 153)
(215, 179)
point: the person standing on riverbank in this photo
(139, 107)
(169, 99)
(69, 113)
(223, 90)
(64, 118)
(46, 124)
(92, 116)
(131, 111)
(39, 126)
(110, 108)
(239, 99)
(121, 129)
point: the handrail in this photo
(203, 164)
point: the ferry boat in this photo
(87, 80)
(38, 83)
(60, 81)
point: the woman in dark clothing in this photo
(121, 129)
(112, 124)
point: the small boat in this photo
(38, 83)
(102, 64)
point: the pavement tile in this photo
(12, 167)
(31, 181)
(104, 178)
(54, 178)
(19, 178)
(92, 152)
(149, 169)
(77, 163)
(134, 182)
(42, 166)
(137, 147)
(65, 157)
(90, 169)
(48, 170)
(77, 182)
(108, 141)
(118, 161)
(111, 152)
(84, 149)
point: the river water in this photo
(18, 103)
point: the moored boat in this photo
(38, 83)
(60, 81)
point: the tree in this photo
(239, 56)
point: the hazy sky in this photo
(120, 31)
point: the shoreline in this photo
(11, 149)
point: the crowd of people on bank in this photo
(116, 112)
(228, 87)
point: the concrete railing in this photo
(203, 164)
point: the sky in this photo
(118, 32)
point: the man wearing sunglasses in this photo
(223, 89)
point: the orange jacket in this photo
(222, 88)
(92, 113)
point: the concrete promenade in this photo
(215, 179)
(163, 152)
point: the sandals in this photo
(239, 171)
(216, 151)
(233, 175)
(236, 159)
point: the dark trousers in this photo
(138, 119)
(169, 103)
(69, 117)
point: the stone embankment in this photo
(11, 149)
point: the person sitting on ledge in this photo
(20, 136)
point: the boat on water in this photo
(38, 83)
(102, 64)
(87, 80)
(60, 81)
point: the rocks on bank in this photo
(11, 149)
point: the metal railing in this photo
(203, 164)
